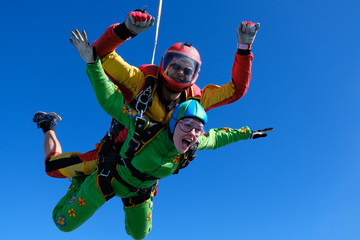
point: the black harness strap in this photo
(140, 103)
(187, 157)
(108, 160)
(142, 137)
(108, 171)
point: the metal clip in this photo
(104, 175)
(143, 99)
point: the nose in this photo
(193, 132)
(181, 71)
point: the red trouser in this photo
(72, 164)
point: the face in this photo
(181, 71)
(186, 133)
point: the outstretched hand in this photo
(260, 133)
(246, 33)
(81, 43)
(138, 21)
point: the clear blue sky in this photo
(299, 183)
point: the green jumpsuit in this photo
(159, 158)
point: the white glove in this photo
(139, 21)
(81, 43)
(246, 33)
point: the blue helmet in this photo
(189, 108)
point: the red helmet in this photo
(180, 66)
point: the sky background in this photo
(299, 183)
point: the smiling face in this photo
(186, 133)
(181, 70)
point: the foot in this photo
(50, 119)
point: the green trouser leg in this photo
(79, 204)
(138, 219)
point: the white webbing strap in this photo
(157, 30)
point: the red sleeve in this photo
(241, 75)
(108, 42)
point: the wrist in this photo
(243, 52)
(123, 32)
(244, 46)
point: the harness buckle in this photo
(104, 175)
(123, 161)
(143, 100)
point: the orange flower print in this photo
(243, 130)
(225, 129)
(72, 199)
(176, 159)
(149, 217)
(124, 111)
(117, 89)
(81, 202)
(71, 213)
(129, 111)
(61, 221)
(71, 187)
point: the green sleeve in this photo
(219, 137)
(108, 95)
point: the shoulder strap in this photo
(144, 99)
(142, 135)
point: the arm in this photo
(109, 41)
(109, 97)
(128, 78)
(136, 22)
(107, 94)
(219, 137)
(214, 96)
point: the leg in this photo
(71, 164)
(81, 201)
(138, 219)
(47, 122)
(57, 164)
(51, 143)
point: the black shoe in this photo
(50, 118)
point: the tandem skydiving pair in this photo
(158, 123)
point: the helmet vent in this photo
(188, 45)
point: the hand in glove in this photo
(246, 33)
(260, 133)
(81, 43)
(138, 21)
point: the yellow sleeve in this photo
(127, 77)
(213, 95)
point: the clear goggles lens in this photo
(179, 67)
(187, 125)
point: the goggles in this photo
(177, 67)
(187, 125)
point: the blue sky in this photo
(301, 182)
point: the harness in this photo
(109, 157)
